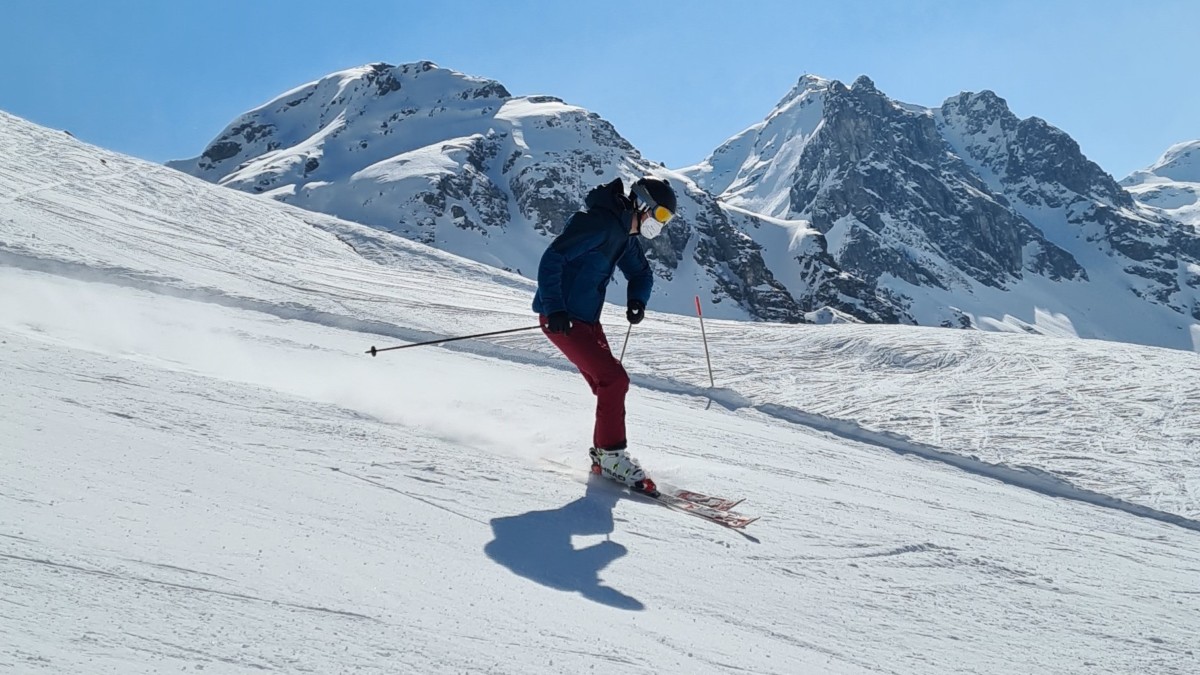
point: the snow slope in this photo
(204, 471)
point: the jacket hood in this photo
(610, 197)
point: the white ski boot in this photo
(619, 466)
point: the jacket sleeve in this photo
(575, 240)
(636, 269)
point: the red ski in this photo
(725, 517)
(718, 503)
(713, 509)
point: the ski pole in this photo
(705, 336)
(627, 332)
(373, 351)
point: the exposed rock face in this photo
(1046, 178)
(931, 208)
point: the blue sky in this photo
(160, 79)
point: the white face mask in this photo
(651, 228)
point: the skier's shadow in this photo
(537, 546)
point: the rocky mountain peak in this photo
(864, 84)
(978, 111)
(341, 104)
(1026, 158)
(806, 86)
(935, 203)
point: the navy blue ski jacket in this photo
(578, 265)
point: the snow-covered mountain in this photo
(841, 205)
(458, 163)
(1172, 184)
(203, 472)
(965, 215)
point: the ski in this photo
(706, 507)
(729, 519)
(718, 503)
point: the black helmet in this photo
(654, 192)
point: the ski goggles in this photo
(660, 214)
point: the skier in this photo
(572, 278)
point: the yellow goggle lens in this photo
(661, 214)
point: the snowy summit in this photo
(1171, 184)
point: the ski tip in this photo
(739, 526)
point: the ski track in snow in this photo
(202, 468)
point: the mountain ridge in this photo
(841, 198)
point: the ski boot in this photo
(619, 466)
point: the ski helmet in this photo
(655, 196)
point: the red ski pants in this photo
(587, 348)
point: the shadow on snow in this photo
(537, 546)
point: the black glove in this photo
(559, 322)
(636, 311)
